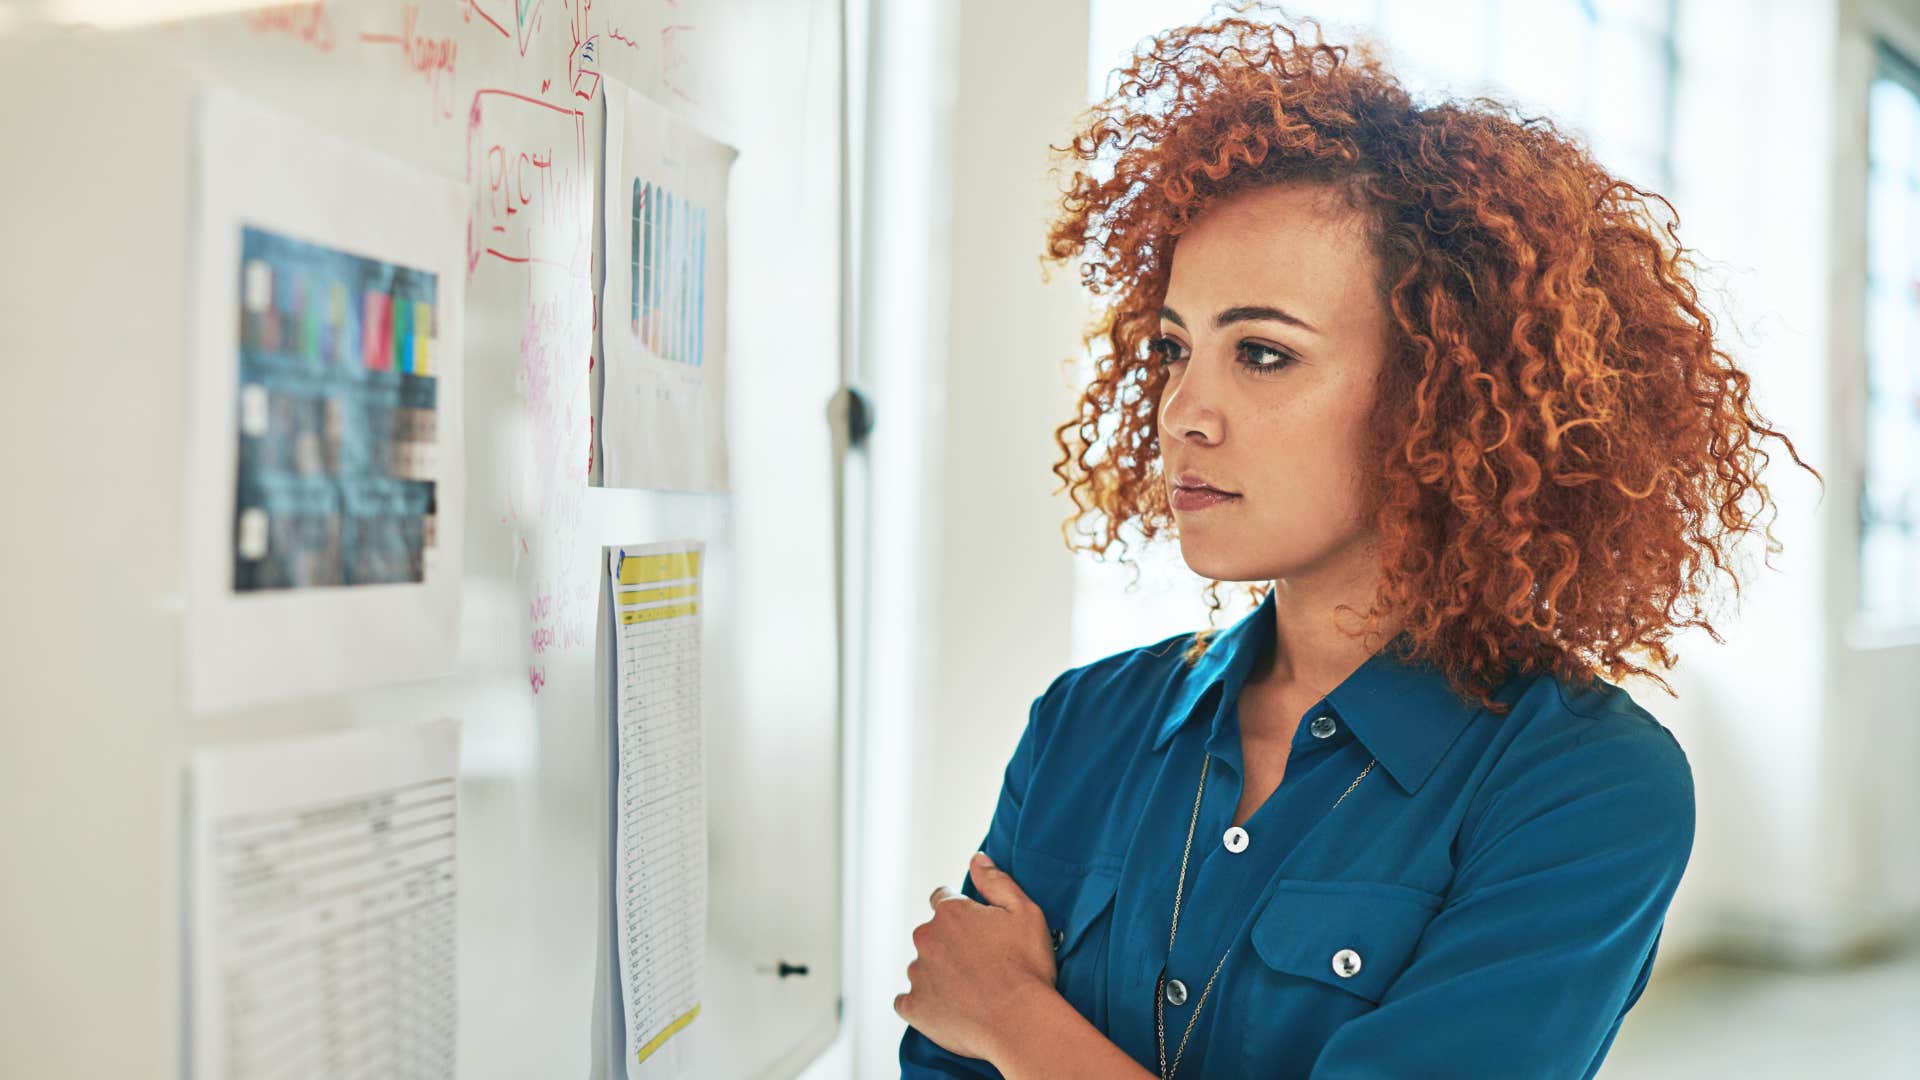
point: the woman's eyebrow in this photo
(1245, 313)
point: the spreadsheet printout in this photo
(320, 907)
(660, 833)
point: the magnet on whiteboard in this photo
(253, 533)
(259, 287)
(253, 410)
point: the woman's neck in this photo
(1315, 644)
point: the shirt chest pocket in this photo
(1323, 952)
(1077, 899)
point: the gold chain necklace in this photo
(1160, 985)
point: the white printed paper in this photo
(663, 310)
(660, 828)
(324, 482)
(320, 906)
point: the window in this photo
(1890, 482)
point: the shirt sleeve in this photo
(921, 1057)
(1550, 927)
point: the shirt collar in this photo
(1404, 712)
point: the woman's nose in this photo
(1186, 409)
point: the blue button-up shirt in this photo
(1486, 902)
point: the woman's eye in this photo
(1166, 350)
(1264, 357)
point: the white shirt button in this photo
(1321, 727)
(1346, 963)
(1235, 839)
(1176, 992)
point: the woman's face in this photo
(1276, 335)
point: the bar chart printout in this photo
(660, 846)
(320, 905)
(663, 408)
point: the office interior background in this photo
(1786, 133)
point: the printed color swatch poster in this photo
(324, 476)
(338, 402)
(663, 311)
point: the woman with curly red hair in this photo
(1438, 383)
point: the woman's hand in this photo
(977, 964)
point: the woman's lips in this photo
(1200, 498)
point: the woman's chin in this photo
(1211, 562)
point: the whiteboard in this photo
(98, 126)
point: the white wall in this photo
(1003, 577)
(962, 349)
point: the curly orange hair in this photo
(1566, 457)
